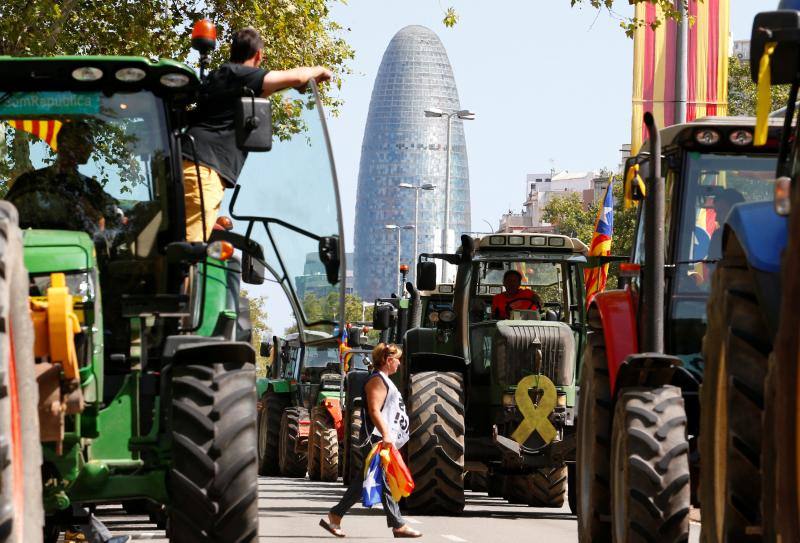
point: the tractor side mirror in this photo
(354, 338)
(426, 275)
(253, 122)
(382, 317)
(783, 28)
(266, 348)
(329, 256)
(253, 270)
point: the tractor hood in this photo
(57, 250)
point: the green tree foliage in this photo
(570, 217)
(261, 330)
(742, 90)
(295, 32)
(669, 9)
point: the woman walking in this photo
(385, 420)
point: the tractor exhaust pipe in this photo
(653, 281)
(415, 312)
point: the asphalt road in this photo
(290, 510)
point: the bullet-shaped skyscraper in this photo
(403, 146)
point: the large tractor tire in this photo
(21, 512)
(572, 492)
(549, 487)
(650, 483)
(323, 448)
(594, 440)
(543, 488)
(477, 481)
(436, 444)
(213, 482)
(735, 350)
(269, 431)
(353, 450)
(496, 485)
(781, 444)
(291, 455)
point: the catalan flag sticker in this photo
(45, 130)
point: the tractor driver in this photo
(514, 297)
(59, 196)
(212, 127)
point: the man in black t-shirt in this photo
(212, 125)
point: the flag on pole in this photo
(655, 61)
(343, 347)
(45, 130)
(596, 278)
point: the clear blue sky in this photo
(550, 84)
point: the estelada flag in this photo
(372, 488)
(398, 476)
(597, 277)
(45, 130)
(385, 461)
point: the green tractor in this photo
(300, 420)
(135, 343)
(496, 397)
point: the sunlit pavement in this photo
(290, 510)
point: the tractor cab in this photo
(709, 166)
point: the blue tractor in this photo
(749, 400)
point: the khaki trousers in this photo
(213, 191)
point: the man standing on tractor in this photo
(514, 297)
(220, 159)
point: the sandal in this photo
(335, 529)
(405, 531)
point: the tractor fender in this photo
(334, 408)
(213, 352)
(617, 310)
(761, 232)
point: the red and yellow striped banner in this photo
(45, 130)
(655, 60)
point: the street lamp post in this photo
(464, 115)
(399, 229)
(424, 186)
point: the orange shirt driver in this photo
(514, 297)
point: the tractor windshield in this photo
(710, 186)
(713, 185)
(545, 278)
(288, 201)
(87, 161)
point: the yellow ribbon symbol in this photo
(535, 415)
(763, 95)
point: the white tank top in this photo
(394, 414)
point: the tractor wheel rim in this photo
(720, 460)
(619, 490)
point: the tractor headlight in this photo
(508, 400)
(446, 316)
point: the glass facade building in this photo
(402, 145)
